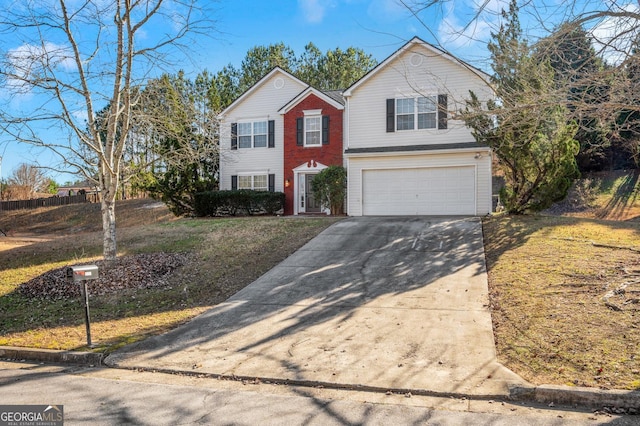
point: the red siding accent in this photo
(294, 155)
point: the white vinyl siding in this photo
(366, 108)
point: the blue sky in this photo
(379, 27)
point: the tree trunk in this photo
(108, 209)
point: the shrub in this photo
(232, 203)
(330, 186)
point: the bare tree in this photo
(70, 59)
(26, 181)
(601, 96)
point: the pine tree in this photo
(527, 126)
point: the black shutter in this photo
(272, 183)
(391, 115)
(234, 135)
(272, 134)
(325, 130)
(442, 111)
(299, 131)
(234, 183)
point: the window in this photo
(312, 129)
(260, 134)
(254, 182)
(405, 114)
(244, 135)
(255, 134)
(416, 113)
(427, 110)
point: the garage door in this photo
(419, 191)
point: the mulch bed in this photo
(125, 273)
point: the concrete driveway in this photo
(398, 303)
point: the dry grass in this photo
(227, 255)
(603, 195)
(565, 299)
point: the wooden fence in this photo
(48, 202)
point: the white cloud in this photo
(315, 10)
(30, 62)
(461, 31)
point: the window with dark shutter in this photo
(300, 131)
(442, 111)
(234, 135)
(272, 134)
(272, 183)
(325, 130)
(391, 115)
(234, 183)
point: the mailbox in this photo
(83, 273)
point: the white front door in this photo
(307, 202)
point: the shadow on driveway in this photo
(381, 302)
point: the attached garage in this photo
(430, 182)
(419, 191)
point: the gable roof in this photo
(257, 85)
(416, 41)
(328, 97)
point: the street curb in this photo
(579, 396)
(52, 356)
(544, 394)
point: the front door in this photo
(309, 203)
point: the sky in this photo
(379, 27)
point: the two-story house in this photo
(279, 134)
(407, 152)
(397, 131)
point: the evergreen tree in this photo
(577, 71)
(527, 127)
(182, 122)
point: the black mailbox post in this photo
(80, 275)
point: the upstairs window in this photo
(405, 114)
(312, 130)
(252, 135)
(427, 110)
(416, 113)
(256, 134)
(260, 134)
(244, 135)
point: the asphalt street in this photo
(104, 396)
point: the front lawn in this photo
(565, 299)
(224, 256)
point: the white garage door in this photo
(419, 191)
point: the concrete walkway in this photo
(382, 303)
